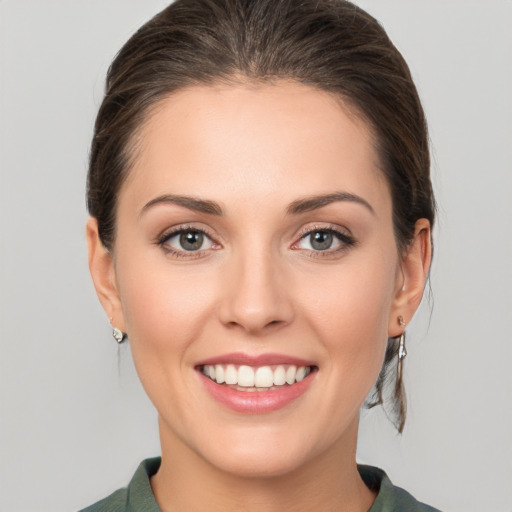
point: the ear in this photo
(101, 266)
(411, 277)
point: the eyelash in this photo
(164, 238)
(346, 241)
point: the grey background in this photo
(74, 422)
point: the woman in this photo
(260, 232)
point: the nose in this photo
(256, 298)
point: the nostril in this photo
(265, 326)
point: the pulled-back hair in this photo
(329, 44)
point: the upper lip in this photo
(240, 358)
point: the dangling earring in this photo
(399, 386)
(402, 352)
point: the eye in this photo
(187, 240)
(324, 240)
(320, 240)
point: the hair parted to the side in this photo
(329, 44)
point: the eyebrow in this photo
(310, 203)
(192, 203)
(306, 204)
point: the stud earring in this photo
(118, 335)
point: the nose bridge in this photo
(256, 297)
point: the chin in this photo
(264, 451)
(259, 463)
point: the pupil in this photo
(191, 241)
(321, 240)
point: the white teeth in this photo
(290, 374)
(279, 376)
(264, 377)
(256, 379)
(301, 373)
(231, 375)
(246, 376)
(219, 373)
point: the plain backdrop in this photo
(74, 421)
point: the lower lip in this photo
(256, 402)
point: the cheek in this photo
(350, 317)
(166, 311)
(162, 307)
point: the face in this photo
(255, 245)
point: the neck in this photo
(330, 481)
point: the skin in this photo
(258, 287)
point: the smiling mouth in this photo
(256, 378)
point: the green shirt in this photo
(138, 496)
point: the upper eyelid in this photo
(326, 227)
(170, 232)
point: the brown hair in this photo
(329, 44)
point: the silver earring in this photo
(118, 335)
(402, 352)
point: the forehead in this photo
(271, 140)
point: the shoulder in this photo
(138, 496)
(116, 502)
(390, 498)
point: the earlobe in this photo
(412, 277)
(101, 267)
